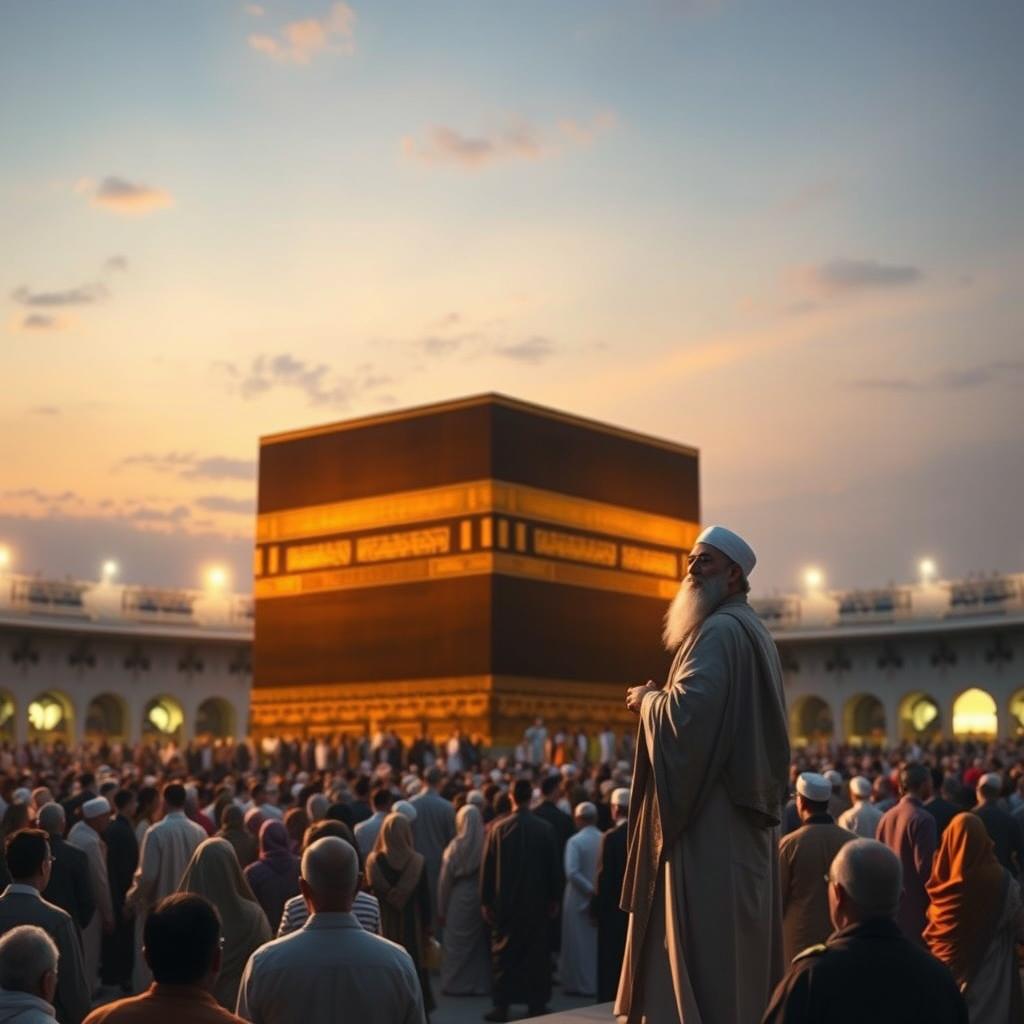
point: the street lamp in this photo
(5, 557)
(928, 569)
(216, 577)
(813, 578)
(110, 570)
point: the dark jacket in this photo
(71, 1000)
(943, 811)
(612, 922)
(70, 887)
(868, 973)
(1005, 832)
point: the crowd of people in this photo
(494, 879)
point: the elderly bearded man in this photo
(704, 944)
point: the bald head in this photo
(871, 879)
(330, 869)
(51, 819)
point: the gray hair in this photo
(331, 868)
(51, 819)
(871, 875)
(316, 806)
(26, 954)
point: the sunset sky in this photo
(790, 234)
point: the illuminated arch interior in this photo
(810, 721)
(163, 717)
(864, 720)
(974, 715)
(216, 718)
(1017, 712)
(920, 717)
(50, 716)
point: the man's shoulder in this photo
(35, 910)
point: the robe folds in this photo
(704, 944)
(520, 884)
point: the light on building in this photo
(110, 570)
(927, 569)
(5, 557)
(813, 579)
(216, 577)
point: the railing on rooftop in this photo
(36, 597)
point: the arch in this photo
(864, 720)
(920, 717)
(975, 715)
(810, 721)
(51, 717)
(162, 718)
(7, 720)
(1016, 709)
(215, 718)
(106, 717)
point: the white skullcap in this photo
(476, 798)
(586, 810)
(95, 807)
(730, 544)
(620, 797)
(406, 809)
(834, 777)
(861, 787)
(990, 780)
(814, 787)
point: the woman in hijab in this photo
(466, 967)
(274, 878)
(254, 821)
(232, 828)
(395, 875)
(296, 821)
(975, 918)
(213, 872)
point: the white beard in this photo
(693, 603)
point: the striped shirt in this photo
(364, 906)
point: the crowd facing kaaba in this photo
(490, 874)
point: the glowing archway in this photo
(106, 717)
(975, 715)
(920, 717)
(810, 721)
(215, 718)
(162, 718)
(7, 712)
(864, 720)
(1017, 713)
(51, 717)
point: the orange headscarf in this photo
(966, 890)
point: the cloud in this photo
(966, 378)
(48, 498)
(848, 275)
(40, 322)
(85, 295)
(121, 196)
(319, 384)
(190, 466)
(116, 263)
(222, 503)
(530, 350)
(44, 410)
(152, 514)
(299, 42)
(517, 140)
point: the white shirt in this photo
(310, 976)
(862, 818)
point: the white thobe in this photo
(863, 818)
(578, 965)
(87, 839)
(166, 849)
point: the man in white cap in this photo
(578, 963)
(87, 835)
(804, 859)
(611, 919)
(863, 817)
(1003, 828)
(709, 778)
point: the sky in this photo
(789, 234)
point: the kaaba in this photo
(473, 564)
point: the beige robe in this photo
(87, 839)
(167, 847)
(704, 944)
